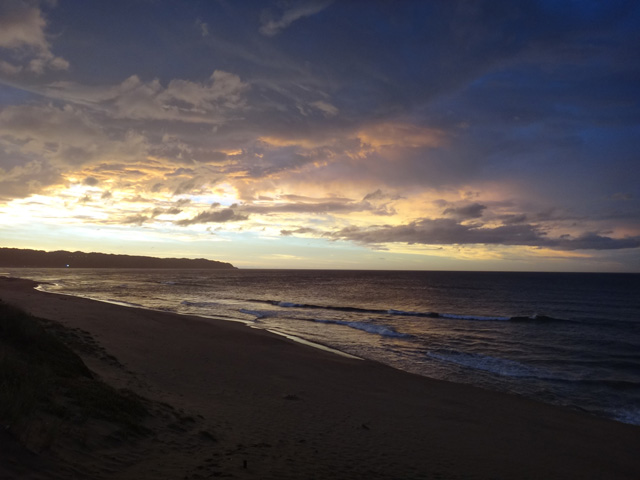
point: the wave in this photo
(259, 313)
(278, 303)
(511, 368)
(625, 415)
(178, 283)
(376, 329)
(609, 383)
(199, 304)
(537, 318)
(478, 318)
(408, 313)
(123, 303)
(498, 366)
(382, 330)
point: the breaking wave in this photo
(498, 366)
(382, 330)
(403, 313)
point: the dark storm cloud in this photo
(90, 181)
(166, 211)
(135, 220)
(511, 219)
(321, 207)
(213, 216)
(450, 232)
(474, 210)
(443, 45)
(300, 231)
(313, 206)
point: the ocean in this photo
(570, 339)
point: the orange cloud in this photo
(401, 135)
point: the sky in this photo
(348, 134)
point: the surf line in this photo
(319, 346)
(248, 323)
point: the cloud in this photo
(90, 181)
(66, 136)
(209, 102)
(148, 215)
(166, 211)
(300, 231)
(307, 208)
(213, 216)
(513, 218)
(22, 33)
(202, 27)
(9, 69)
(135, 220)
(473, 210)
(397, 134)
(21, 24)
(27, 179)
(326, 108)
(594, 241)
(302, 206)
(403, 103)
(446, 231)
(272, 26)
(181, 100)
(624, 196)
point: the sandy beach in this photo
(244, 403)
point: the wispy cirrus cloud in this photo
(272, 24)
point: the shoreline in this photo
(628, 415)
(301, 412)
(246, 323)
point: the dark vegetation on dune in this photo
(58, 419)
(46, 391)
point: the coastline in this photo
(280, 409)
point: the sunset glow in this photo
(392, 135)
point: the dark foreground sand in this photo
(272, 408)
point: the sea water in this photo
(570, 339)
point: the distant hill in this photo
(18, 258)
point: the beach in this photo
(252, 404)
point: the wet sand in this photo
(256, 405)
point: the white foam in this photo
(313, 344)
(258, 313)
(199, 304)
(123, 303)
(627, 415)
(288, 304)
(499, 366)
(474, 317)
(403, 313)
(376, 329)
(382, 330)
